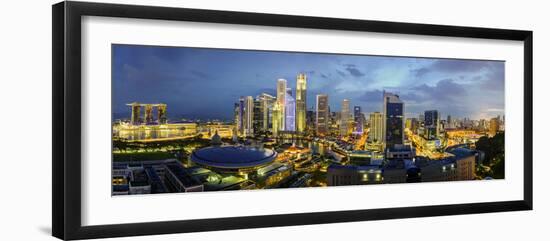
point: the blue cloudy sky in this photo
(204, 83)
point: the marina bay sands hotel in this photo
(148, 113)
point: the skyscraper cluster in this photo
(283, 112)
(287, 112)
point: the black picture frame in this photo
(66, 127)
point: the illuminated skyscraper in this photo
(376, 132)
(161, 111)
(358, 118)
(258, 116)
(148, 114)
(344, 117)
(136, 109)
(239, 115)
(431, 124)
(322, 114)
(301, 97)
(248, 116)
(281, 98)
(393, 120)
(276, 119)
(266, 104)
(290, 111)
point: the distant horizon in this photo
(200, 83)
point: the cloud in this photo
(452, 66)
(445, 89)
(371, 96)
(352, 69)
(458, 66)
(341, 73)
(420, 72)
(494, 79)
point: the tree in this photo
(493, 147)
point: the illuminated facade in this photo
(239, 116)
(248, 116)
(258, 116)
(322, 115)
(301, 97)
(276, 118)
(165, 132)
(358, 118)
(148, 114)
(223, 131)
(393, 119)
(161, 111)
(135, 117)
(281, 99)
(290, 111)
(344, 117)
(267, 102)
(376, 133)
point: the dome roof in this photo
(233, 156)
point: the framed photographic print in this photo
(170, 120)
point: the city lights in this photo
(297, 128)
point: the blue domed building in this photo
(233, 158)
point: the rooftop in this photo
(233, 156)
(182, 174)
(462, 152)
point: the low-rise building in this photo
(460, 166)
(400, 171)
(181, 180)
(273, 174)
(343, 175)
(441, 170)
(400, 152)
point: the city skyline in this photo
(179, 76)
(218, 120)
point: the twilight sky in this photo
(205, 83)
